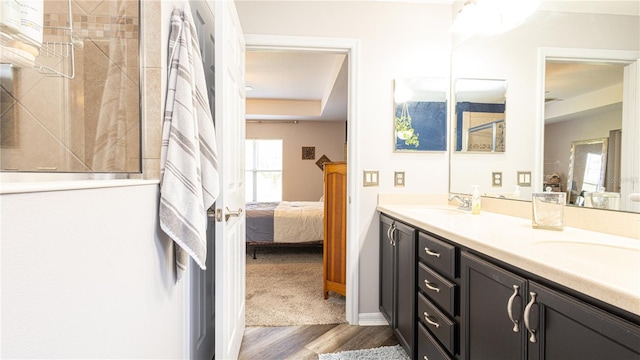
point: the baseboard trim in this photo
(372, 319)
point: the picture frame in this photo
(323, 159)
(308, 153)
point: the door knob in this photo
(229, 213)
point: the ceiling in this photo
(296, 85)
(307, 85)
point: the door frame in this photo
(350, 47)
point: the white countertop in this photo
(603, 266)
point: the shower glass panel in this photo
(77, 107)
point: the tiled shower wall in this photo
(152, 92)
(59, 123)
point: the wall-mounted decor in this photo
(420, 114)
(308, 153)
(323, 159)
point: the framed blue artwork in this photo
(420, 114)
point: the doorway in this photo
(350, 48)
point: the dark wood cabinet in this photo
(446, 301)
(397, 280)
(563, 327)
(534, 322)
(438, 297)
(491, 311)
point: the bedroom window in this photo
(263, 174)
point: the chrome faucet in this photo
(465, 203)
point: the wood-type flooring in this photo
(306, 342)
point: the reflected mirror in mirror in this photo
(420, 114)
(584, 100)
(587, 169)
(480, 122)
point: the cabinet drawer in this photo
(437, 288)
(428, 347)
(437, 323)
(439, 255)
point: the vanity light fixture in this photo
(490, 17)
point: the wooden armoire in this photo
(335, 228)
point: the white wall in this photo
(396, 40)
(86, 275)
(513, 56)
(303, 179)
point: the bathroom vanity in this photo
(460, 286)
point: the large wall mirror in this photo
(546, 112)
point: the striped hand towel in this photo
(189, 176)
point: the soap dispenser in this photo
(475, 200)
(516, 192)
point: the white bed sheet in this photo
(298, 221)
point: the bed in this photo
(289, 223)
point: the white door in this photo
(230, 220)
(202, 315)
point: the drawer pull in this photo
(431, 287)
(427, 318)
(527, 314)
(516, 327)
(432, 253)
(425, 357)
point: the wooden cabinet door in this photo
(335, 228)
(565, 328)
(405, 278)
(489, 295)
(397, 299)
(387, 273)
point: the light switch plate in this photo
(524, 178)
(398, 179)
(496, 179)
(370, 178)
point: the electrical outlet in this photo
(398, 179)
(524, 178)
(370, 178)
(496, 179)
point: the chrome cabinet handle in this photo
(393, 234)
(527, 314)
(427, 318)
(431, 287)
(389, 234)
(516, 327)
(432, 253)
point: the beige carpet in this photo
(284, 288)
